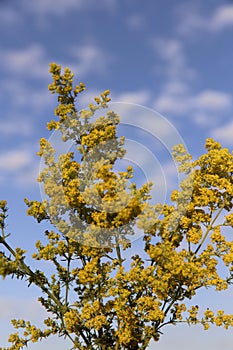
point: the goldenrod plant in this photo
(99, 296)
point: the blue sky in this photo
(171, 57)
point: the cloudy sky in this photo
(169, 67)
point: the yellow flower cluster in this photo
(97, 297)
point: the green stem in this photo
(118, 250)
(26, 269)
(67, 275)
(210, 227)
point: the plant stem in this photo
(210, 227)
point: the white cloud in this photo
(176, 87)
(173, 54)
(15, 127)
(43, 10)
(176, 96)
(138, 97)
(14, 160)
(135, 21)
(20, 65)
(29, 61)
(224, 133)
(172, 104)
(168, 48)
(61, 7)
(221, 18)
(19, 94)
(171, 51)
(13, 307)
(212, 100)
(206, 100)
(191, 22)
(55, 7)
(202, 119)
(90, 59)
(19, 167)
